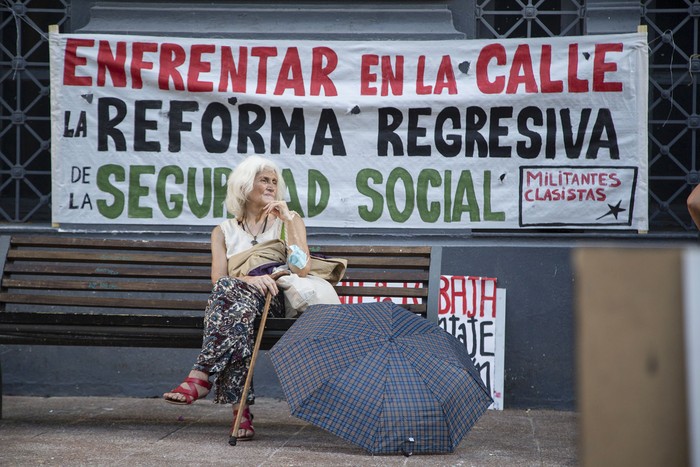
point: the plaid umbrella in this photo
(381, 377)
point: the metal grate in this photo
(518, 18)
(674, 81)
(674, 120)
(25, 132)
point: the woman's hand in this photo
(281, 210)
(264, 284)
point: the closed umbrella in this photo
(381, 377)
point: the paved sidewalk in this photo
(72, 431)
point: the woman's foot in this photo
(245, 428)
(195, 386)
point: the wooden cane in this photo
(233, 437)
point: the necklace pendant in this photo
(253, 242)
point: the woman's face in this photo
(264, 188)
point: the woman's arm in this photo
(296, 235)
(219, 262)
(295, 232)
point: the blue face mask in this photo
(297, 257)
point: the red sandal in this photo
(246, 424)
(190, 392)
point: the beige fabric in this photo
(275, 251)
(330, 269)
(272, 251)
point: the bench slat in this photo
(382, 275)
(110, 302)
(389, 262)
(351, 250)
(113, 257)
(110, 285)
(110, 270)
(382, 291)
(57, 241)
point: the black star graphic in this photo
(614, 210)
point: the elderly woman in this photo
(254, 197)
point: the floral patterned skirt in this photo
(229, 336)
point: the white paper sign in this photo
(474, 311)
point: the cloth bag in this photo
(314, 289)
(300, 292)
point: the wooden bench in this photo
(78, 290)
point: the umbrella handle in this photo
(233, 438)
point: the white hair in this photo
(241, 180)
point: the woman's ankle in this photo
(199, 375)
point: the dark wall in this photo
(539, 345)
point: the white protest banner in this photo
(474, 311)
(498, 134)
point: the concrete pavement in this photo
(72, 431)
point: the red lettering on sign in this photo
(263, 53)
(191, 69)
(445, 77)
(421, 88)
(290, 75)
(171, 57)
(320, 73)
(230, 70)
(521, 71)
(497, 73)
(367, 77)
(138, 63)
(600, 67)
(575, 83)
(467, 295)
(547, 84)
(72, 60)
(445, 303)
(488, 53)
(115, 64)
(392, 77)
(199, 66)
(488, 298)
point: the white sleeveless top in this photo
(237, 239)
